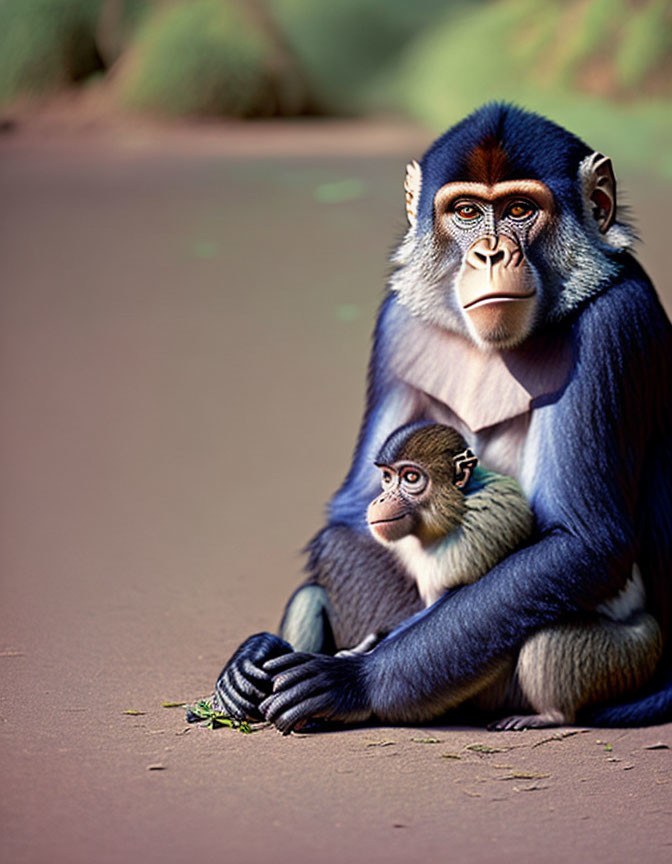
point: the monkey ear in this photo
(600, 186)
(412, 186)
(465, 463)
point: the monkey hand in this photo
(243, 683)
(309, 686)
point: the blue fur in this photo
(536, 149)
(602, 496)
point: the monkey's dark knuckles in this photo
(245, 687)
(242, 684)
(279, 665)
(286, 713)
(228, 701)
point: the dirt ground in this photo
(184, 333)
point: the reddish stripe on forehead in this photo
(487, 163)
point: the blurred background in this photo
(199, 200)
(601, 67)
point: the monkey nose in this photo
(489, 252)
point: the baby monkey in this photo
(448, 522)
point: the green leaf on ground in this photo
(485, 748)
(213, 719)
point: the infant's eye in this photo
(520, 209)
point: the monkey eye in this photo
(387, 478)
(521, 209)
(467, 212)
(414, 480)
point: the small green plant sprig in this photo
(202, 712)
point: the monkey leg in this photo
(366, 589)
(306, 621)
(567, 667)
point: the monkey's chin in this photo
(501, 323)
(391, 530)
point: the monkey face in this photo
(488, 230)
(505, 232)
(395, 513)
(428, 504)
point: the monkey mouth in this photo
(497, 298)
(385, 521)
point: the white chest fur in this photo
(434, 574)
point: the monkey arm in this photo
(587, 453)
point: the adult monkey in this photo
(517, 315)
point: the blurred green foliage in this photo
(202, 57)
(646, 44)
(343, 45)
(601, 67)
(46, 45)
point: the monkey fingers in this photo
(519, 722)
(278, 665)
(242, 684)
(246, 681)
(231, 704)
(238, 694)
(306, 686)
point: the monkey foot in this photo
(518, 722)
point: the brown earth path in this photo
(184, 333)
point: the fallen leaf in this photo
(380, 743)
(450, 756)
(529, 775)
(173, 704)
(11, 653)
(485, 748)
(657, 746)
(425, 740)
(628, 767)
(132, 712)
(203, 711)
(156, 767)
